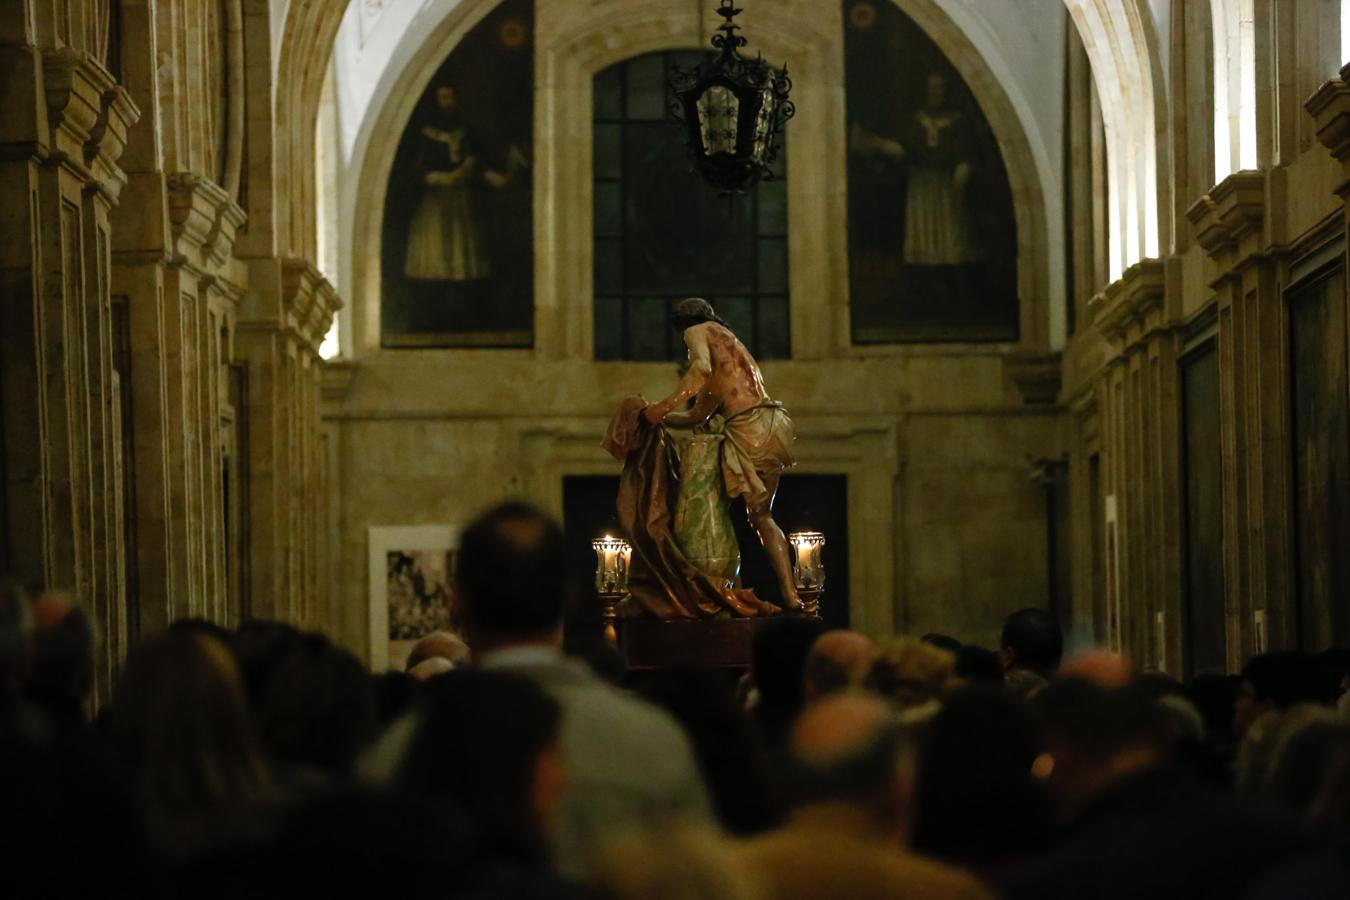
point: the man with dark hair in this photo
(1277, 681)
(852, 765)
(1032, 640)
(724, 379)
(1134, 827)
(628, 764)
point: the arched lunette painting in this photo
(932, 234)
(457, 252)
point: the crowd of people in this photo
(506, 762)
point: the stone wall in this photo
(160, 378)
(1238, 246)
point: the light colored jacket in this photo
(629, 764)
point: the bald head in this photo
(444, 645)
(838, 660)
(838, 727)
(850, 749)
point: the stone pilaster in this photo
(281, 325)
(1232, 225)
(66, 122)
(1132, 408)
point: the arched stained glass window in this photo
(661, 234)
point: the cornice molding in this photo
(1038, 376)
(1230, 214)
(1131, 300)
(204, 221)
(89, 115)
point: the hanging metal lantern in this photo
(733, 110)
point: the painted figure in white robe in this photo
(935, 147)
(445, 239)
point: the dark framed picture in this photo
(932, 233)
(457, 255)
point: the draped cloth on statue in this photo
(661, 580)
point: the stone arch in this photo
(305, 49)
(582, 41)
(1122, 45)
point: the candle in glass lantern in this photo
(612, 556)
(807, 567)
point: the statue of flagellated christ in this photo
(724, 379)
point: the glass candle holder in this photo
(808, 569)
(612, 556)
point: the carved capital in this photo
(1134, 299)
(1038, 376)
(1329, 107)
(308, 301)
(1231, 213)
(89, 115)
(204, 221)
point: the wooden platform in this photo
(704, 643)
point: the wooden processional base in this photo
(703, 643)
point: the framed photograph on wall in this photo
(411, 569)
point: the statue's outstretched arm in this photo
(700, 367)
(702, 410)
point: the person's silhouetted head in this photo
(444, 645)
(1032, 640)
(912, 674)
(778, 662)
(511, 577)
(1095, 734)
(63, 652)
(728, 751)
(182, 730)
(945, 641)
(486, 743)
(977, 801)
(851, 750)
(838, 660)
(316, 708)
(979, 665)
(1277, 681)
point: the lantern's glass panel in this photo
(661, 234)
(718, 110)
(763, 123)
(646, 87)
(608, 328)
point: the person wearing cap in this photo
(724, 380)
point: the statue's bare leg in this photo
(776, 545)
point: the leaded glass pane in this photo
(661, 235)
(608, 328)
(647, 87)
